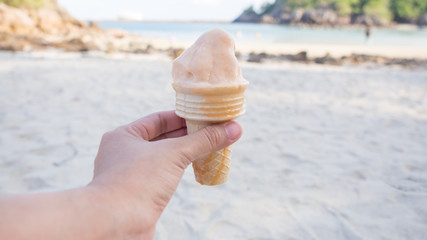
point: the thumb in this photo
(209, 139)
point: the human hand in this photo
(139, 165)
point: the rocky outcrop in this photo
(363, 19)
(323, 16)
(422, 21)
(14, 20)
(248, 17)
(320, 16)
(53, 27)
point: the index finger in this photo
(156, 124)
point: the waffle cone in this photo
(204, 107)
(212, 169)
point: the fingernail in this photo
(233, 130)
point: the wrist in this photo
(124, 216)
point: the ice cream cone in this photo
(204, 108)
(214, 168)
(212, 104)
(209, 89)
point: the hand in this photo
(139, 166)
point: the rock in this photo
(253, 57)
(363, 58)
(321, 16)
(285, 57)
(47, 20)
(142, 48)
(73, 45)
(326, 16)
(285, 18)
(327, 59)
(278, 10)
(308, 17)
(409, 63)
(268, 19)
(422, 21)
(343, 21)
(10, 42)
(248, 16)
(93, 24)
(53, 26)
(377, 21)
(296, 15)
(175, 52)
(364, 19)
(238, 55)
(300, 57)
(15, 21)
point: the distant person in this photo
(137, 169)
(367, 33)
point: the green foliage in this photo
(267, 8)
(386, 9)
(379, 8)
(250, 9)
(300, 3)
(25, 3)
(308, 3)
(345, 7)
(408, 9)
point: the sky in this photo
(202, 10)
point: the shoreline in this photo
(312, 50)
(319, 50)
(263, 60)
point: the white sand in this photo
(328, 152)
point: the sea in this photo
(267, 33)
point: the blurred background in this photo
(335, 140)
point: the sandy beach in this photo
(328, 152)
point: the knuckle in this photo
(112, 134)
(138, 131)
(213, 136)
(182, 154)
(108, 136)
(186, 158)
(163, 123)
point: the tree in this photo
(378, 8)
(250, 10)
(267, 7)
(345, 7)
(408, 10)
(399, 10)
(24, 3)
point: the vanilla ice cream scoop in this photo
(208, 80)
(209, 89)
(209, 62)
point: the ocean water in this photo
(265, 33)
